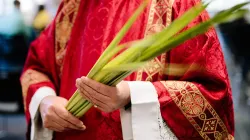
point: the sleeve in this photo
(39, 78)
(38, 71)
(196, 102)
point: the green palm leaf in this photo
(137, 53)
(100, 62)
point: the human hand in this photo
(106, 98)
(55, 116)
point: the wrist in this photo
(43, 103)
(45, 99)
(123, 89)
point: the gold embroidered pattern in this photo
(64, 25)
(31, 77)
(160, 17)
(197, 109)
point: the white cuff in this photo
(145, 102)
(126, 121)
(37, 130)
(144, 121)
(143, 97)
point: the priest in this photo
(151, 103)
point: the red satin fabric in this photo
(95, 26)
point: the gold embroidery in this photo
(160, 17)
(64, 25)
(31, 77)
(152, 68)
(63, 31)
(195, 107)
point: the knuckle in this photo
(84, 86)
(48, 115)
(46, 118)
(80, 90)
(109, 91)
(98, 87)
(65, 115)
(46, 124)
(86, 82)
(50, 108)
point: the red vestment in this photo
(196, 105)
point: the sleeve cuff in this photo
(145, 113)
(126, 121)
(38, 132)
(37, 98)
(143, 97)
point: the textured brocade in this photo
(91, 36)
(96, 23)
(29, 78)
(64, 24)
(159, 18)
(95, 26)
(197, 110)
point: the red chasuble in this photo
(195, 105)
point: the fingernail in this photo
(84, 78)
(81, 125)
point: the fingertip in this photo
(77, 80)
(83, 127)
(83, 77)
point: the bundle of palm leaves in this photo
(120, 60)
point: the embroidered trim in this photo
(160, 17)
(64, 25)
(31, 77)
(196, 109)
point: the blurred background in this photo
(22, 21)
